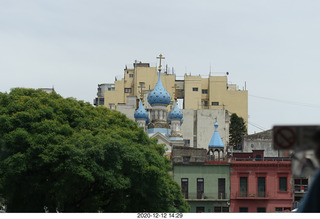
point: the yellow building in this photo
(141, 78)
(196, 92)
(214, 92)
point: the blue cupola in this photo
(141, 113)
(176, 113)
(159, 95)
(216, 141)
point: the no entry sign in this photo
(296, 137)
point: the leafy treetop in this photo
(70, 156)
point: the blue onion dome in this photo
(141, 113)
(159, 95)
(175, 113)
(216, 140)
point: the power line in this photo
(288, 102)
(257, 126)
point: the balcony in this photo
(206, 197)
(300, 188)
(243, 195)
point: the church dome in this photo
(141, 113)
(176, 113)
(216, 141)
(159, 95)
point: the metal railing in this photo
(206, 196)
(247, 195)
(262, 159)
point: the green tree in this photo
(68, 155)
(236, 131)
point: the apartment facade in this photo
(260, 184)
(205, 184)
(196, 92)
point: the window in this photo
(186, 142)
(261, 187)
(221, 209)
(101, 101)
(221, 188)
(204, 103)
(186, 159)
(282, 184)
(225, 209)
(278, 209)
(204, 91)
(130, 75)
(199, 209)
(258, 157)
(214, 103)
(261, 209)
(200, 187)
(194, 89)
(243, 209)
(243, 186)
(184, 187)
(301, 185)
(127, 90)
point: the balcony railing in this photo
(262, 159)
(301, 188)
(207, 196)
(244, 195)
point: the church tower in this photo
(216, 146)
(176, 120)
(141, 116)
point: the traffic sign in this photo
(296, 137)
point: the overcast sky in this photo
(272, 47)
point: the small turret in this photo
(175, 119)
(216, 144)
(141, 116)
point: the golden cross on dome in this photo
(160, 57)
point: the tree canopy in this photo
(237, 130)
(72, 157)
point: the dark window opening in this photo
(258, 157)
(243, 209)
(186, 142)
(221, 188)
(200, 187)
(261, 187)
(282, 184)
(214, 103)
(199, 209)
(184, 187)
(204, 91)
(261, 209)
(194, 89)
(186, 159)
(243, 186)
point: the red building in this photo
(260, 184)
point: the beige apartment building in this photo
(202, 100)
(197, 92)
